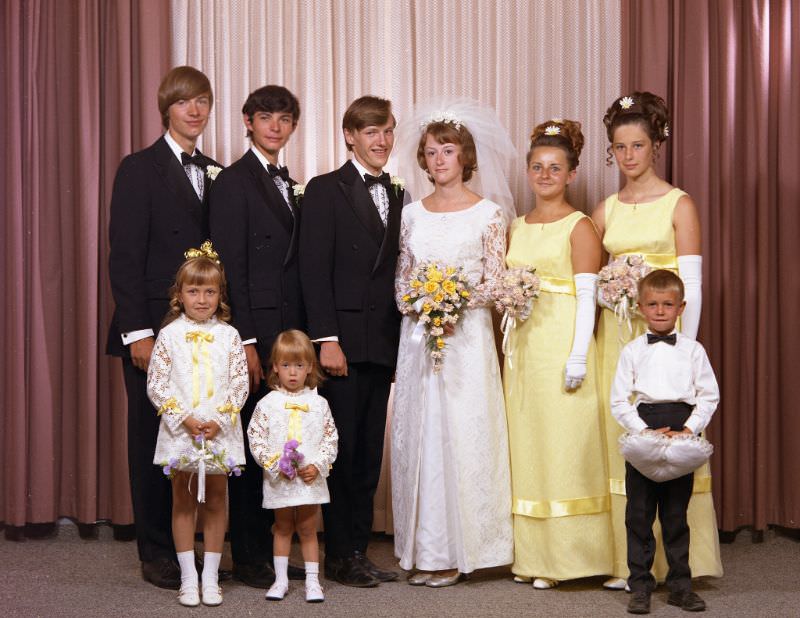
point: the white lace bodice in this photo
(473, 239)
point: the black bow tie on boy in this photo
(199, 160)
(283, 172)
(384, 179)
(670, 339)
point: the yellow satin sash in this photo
(198, 339)
(657, 260)
(556, 285)
(544, 509)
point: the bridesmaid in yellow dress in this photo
(652, 218)
(562, 527)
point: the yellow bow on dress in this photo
(198, 339)
(231, 409)
(295, 430)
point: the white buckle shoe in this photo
(277, 591)
(189, 596)
(615, 583)
(544, 583)
(314, 592)
(522, 579)
(212, 596)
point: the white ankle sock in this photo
(211, 568)
(188, 569)
(312, 572)
(281, 564)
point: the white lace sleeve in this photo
(494, 259)
(328, 448)
(160, 389)
(237, 387)
(258, 437)
(405, 264)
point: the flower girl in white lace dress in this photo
(197, 379)
(293, 437)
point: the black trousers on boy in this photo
(670, 499)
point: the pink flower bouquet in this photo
(618, 283)
(514, 294)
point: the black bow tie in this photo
(199, 160)
(384, 179)
(670, 339)
(283, 172)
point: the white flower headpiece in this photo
(626, 102)
(552, 130)
(666, 130)
(441, 116)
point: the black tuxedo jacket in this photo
(347, 266)
(256, 237)
(155, 217)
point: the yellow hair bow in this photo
(205, 250)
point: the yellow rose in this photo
(431, 287)
(426, 308)
(439, 343)
(449, 271)
(437, 321)
(449, 286)
(465, 293)
(434, 274)
(438, 298)
(406, 298)
(415, 283)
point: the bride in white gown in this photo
(451, 491)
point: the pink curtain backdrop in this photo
(730, 72)
(80, 81)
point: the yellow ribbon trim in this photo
(657, 260)
(544, 509)
(271, 461)
(295, 431)
(231, 409)
(198, 339)
(702, 485)
(556, 285)
(171, 406)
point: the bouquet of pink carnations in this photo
(618, 283)
(514, 294)
(437, 295)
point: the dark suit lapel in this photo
(293, 241)
(269, 192)
(360, 200)
(392, 233)
(176, 179)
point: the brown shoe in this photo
(687, 600)
(639, 603)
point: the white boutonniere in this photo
(212, 171)
(298, 190)
(398, 183)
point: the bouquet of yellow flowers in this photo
(437, 295)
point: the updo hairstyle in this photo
(563, 134)
(646, 109)
(447, 133)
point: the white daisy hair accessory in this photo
(666, 130)
(626, 102)
(445, 116)
(552, 130)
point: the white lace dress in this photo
(451, 488)
(280, 417)
(198, 369)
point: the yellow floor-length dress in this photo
(562, 527)
(647, 229)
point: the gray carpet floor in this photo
(68, 576)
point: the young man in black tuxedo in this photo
(158, 210)
(254, 224)
(349, 237)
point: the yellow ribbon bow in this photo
(205, 250)
(171, 406)
(231, 409)
(295, 431)
(198, 339)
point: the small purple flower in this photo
(199, 438)
(214, 450)
(237, 471)
(230, 462)
(167, 470)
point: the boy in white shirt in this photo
(664, 383)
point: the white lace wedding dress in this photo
(451, 489)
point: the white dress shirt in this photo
(661, 373)
(280, 183)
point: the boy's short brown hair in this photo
(662, 280)
(182, 83)
(367, 111)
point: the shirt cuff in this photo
(249, 341)
(324, 339)
(693, 424)
(137, 335)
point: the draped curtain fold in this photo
(730, 72)
(79, 80)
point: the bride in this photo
(451, 491)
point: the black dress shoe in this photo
(687, 600)
(254, 575)
(348, 572)
(296, 572)
(162, 572)
(639, 603)
(372, 569)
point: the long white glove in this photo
(690, 269)
(575, 370)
